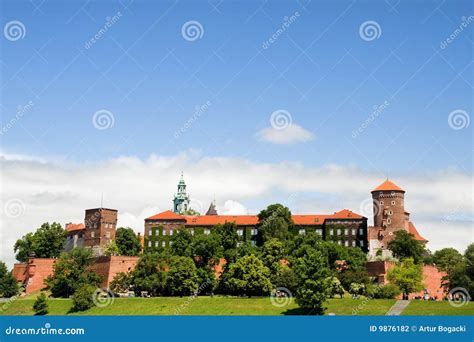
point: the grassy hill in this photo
(220, 305)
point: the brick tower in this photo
(389, 209)
(100, 226)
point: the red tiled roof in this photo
(412, 230)
(251, 220)
(388, 186)
(166, 215)
(72, 227)
(212, 220)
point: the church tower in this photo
(181, 198)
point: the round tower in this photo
(389, 208)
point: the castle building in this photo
(389, 217)
(181, 198)
(343, 227)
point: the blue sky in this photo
(319, 70)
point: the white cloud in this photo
(232, 208)
(293, 133)
(54, 191)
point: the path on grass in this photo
(397, 308)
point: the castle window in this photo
(353, 243)
(163, 244)
(361, 231)
(381, 202)
(171, 232)
(339, 242)
(302, 231)
(207, 231)
(319, 231)
(346, 231)
(361, 243)
(354, 231)
(164, 232)
(331, 232)
(338, 232)
(389, 221)
(393, 202)
(150, 232)
(254, 232)
(171, 243)
(156, 243)
(191, 231)
(92, 234)
(107, 235)
(346, 243)
(240, 232)
(149, 243)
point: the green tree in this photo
(111, 249)
(182, 243)
(404, 246)
(40, 306)
(249, 276)
(121, 283)
(207, 250)
(314, 286)
(272, 253)
(46, 242)
(149, 275)
(127, 241)
(71, 271)
(227, 233)
(83, 298)
(182, 278)
(446, 259)
(274, 222)
(285, 277)
(192, 212)
(407, 275)
(349, 276)
(8, 285)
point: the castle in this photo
(343, 227)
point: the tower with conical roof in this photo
(181, 198)
(389, 207)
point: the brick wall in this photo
(33, 273)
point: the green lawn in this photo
(426, 308)
(219, 305)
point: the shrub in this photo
(40, 306)
(388, 291)
(83, 298)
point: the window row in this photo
(352, 231)
(207, 231)
(352, 243)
